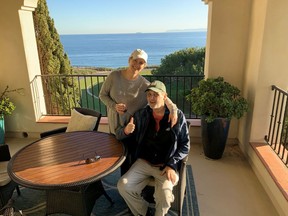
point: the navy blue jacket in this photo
(181, 139)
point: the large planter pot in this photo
(2, 129)
(214, 137)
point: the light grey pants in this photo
(131, 184)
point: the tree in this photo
(188, 61)
(60, 93)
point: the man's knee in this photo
(122, 185)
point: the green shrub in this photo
(6, 106)
(188, 61)
(215, 98)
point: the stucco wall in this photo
(19, 61)
(252, 65)
(272, 66)
(266, 65)
(227, 39)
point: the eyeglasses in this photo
(90, 160)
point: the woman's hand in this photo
(173, 117)
(120, 108)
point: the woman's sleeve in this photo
(105, 91)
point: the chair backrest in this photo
(86, 111)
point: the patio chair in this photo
(179, 190)
(7, 186)
(84, 111)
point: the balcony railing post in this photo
(278, 128)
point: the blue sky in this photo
(127, 16)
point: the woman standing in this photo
(123, 92)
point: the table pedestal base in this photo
(75, 201)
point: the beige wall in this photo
(228, 31)
(247, 45)
(19, 61)
(252, 73)
(272, 65)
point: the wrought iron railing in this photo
(277, 136)
(63, 92)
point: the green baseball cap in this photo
(157, 86)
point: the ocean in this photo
(113, 50)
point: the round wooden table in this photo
(57, 164)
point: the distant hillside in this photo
(186, 30)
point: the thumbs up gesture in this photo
(130, 127)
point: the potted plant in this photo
(216, 101)
(6, 108)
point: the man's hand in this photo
(130, 127)
(171, 174)
(120, 108)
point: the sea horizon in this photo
(113, 50)
(167, 31)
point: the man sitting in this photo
(159, 151)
